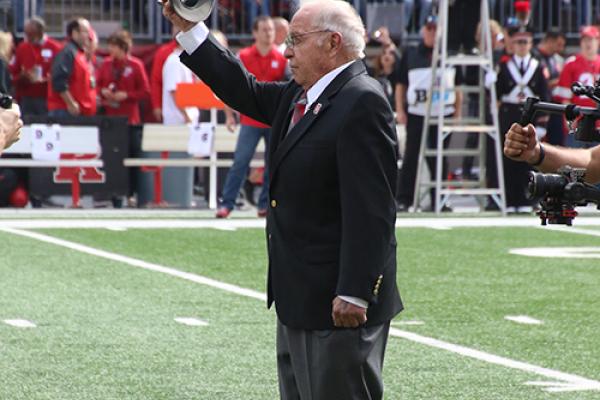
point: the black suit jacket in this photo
(331, 221)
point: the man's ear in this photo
(335, 41)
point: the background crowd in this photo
(75, 75)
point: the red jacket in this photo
(124, 75)
(267, 68)
(156, 80)
(34, 55)
(71, 71)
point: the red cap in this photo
(590, 31)
(522, 6)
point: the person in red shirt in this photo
(584, 68)
(31, 66)
(122, 80)
(72, 89)
(266, 63)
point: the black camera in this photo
(560, 193)
(582, 121)
(5, 101)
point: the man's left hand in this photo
(347, 315)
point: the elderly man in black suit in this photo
(330, 225)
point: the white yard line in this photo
(407, 323)
(19, 323)
(574, 382)
(139, 263)
(558, 252)
(191, 321)
(523, 319)
(569, 382)
(567, 229)
(233, 224)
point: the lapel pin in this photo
(317, 108)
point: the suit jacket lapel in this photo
(299, 130)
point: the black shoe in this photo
(492, 206)
(445, 208)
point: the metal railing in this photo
(144, 20)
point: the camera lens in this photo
(6, 101)
(545, 184)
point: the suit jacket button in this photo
(273, 203)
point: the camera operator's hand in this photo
(169, 12)
(521, 144)
(10, 126)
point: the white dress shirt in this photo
(522, 62)
(193, 38)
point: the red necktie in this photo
(299, 109)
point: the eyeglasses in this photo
(292, 41)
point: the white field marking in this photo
(574, 382)
(523, 319)
(134, 224)
(191, 321)
(116, 228)
(225, 228)
(408, 323)
(227, 224)
(139, 263)
(557, 387)
(568, 229)
(20, 323)
(562, 252)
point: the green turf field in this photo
(106, 329)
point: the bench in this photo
(164, 139)
(80, 151)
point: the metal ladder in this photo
(446, 126)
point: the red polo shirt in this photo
(34, 55)
(156, 80)
(126, 75)
(267, 68)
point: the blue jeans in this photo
(19, 12)
(252, 11)
(244, 151)
(58, 114)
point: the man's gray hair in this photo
(340, 16)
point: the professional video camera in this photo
(560, 193)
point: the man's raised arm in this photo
(223, 72)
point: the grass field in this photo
(105, 327)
